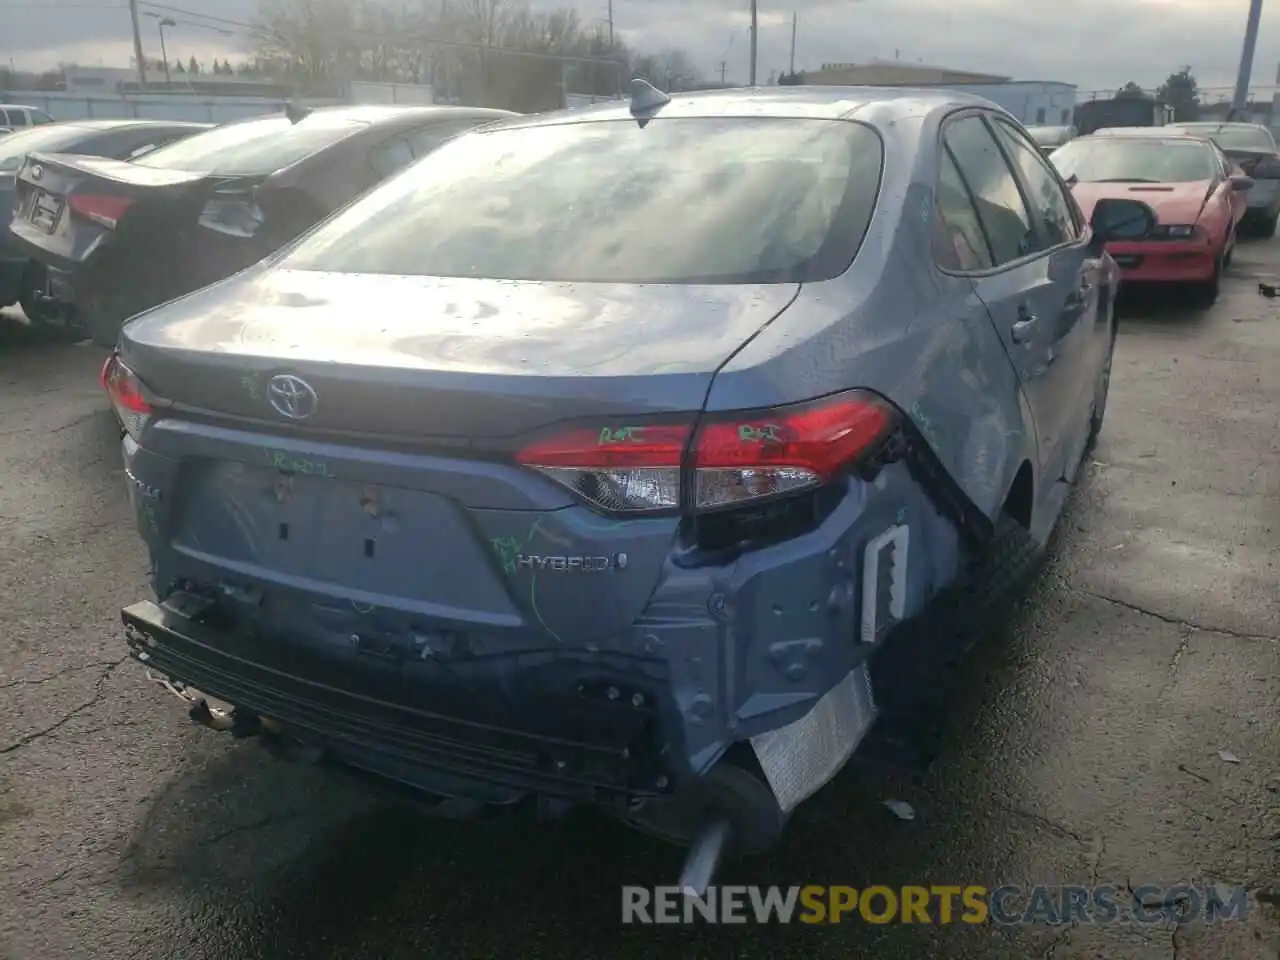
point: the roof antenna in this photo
(296, 112)
(646, 98)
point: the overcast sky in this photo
(1096, 44)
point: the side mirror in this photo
(1120, 219)
(1240, 183)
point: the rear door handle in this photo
(1024, 329)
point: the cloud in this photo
(1096, 44)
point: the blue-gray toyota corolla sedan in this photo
(596, 456)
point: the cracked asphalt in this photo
(1083, 740)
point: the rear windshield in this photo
(1236, 138)
(685, 200)
(15, 146)
(252, 146)
(1135, 160)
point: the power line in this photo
(182, 11)
(48, 5)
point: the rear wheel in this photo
(1101, 393)
(104, 318)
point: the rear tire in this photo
(1101, 393)
(105, 321)
(912, 674)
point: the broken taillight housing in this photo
(104, 211)
(236, 216)
(724, 461)
(124, 389)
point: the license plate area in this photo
(295, 519)
(46, 210)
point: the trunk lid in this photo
(68, 206)
(421, 359)
(395, 510)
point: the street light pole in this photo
(755, 34)
(137, 43)
(164, 54)
(1241, 97)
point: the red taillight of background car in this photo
(124, 390)
(105, 211)
(730, 459)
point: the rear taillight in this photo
(727, 461)
(124, 389)
(104, 211)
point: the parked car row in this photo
(116, 234)
(1202, 195)
(23, 278)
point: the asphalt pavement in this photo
(1121, 726)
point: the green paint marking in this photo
(765, 433)
(507, 549)
(287, 463)
(609, 436)
(249, 383)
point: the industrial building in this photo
(1031, 101)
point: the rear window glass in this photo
(1236, 138)
(252, 146)
(686, 200)
(52, 139)
(1136, 160)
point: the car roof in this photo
(1111, 133)
(19, 106)
(1220, 124)
(119, 123)
(386, 113)
(816, 102)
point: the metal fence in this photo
(73, 106)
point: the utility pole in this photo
(724, 70)
(795, 19)
(610, 24)
(1246, 57)
(137, 43)
(755, 34)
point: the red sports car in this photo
(1190, 184)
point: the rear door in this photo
(1031, 288)
(1080, 329)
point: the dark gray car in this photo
(118, 238)
(22, 279)
(594, 457)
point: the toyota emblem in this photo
(37, 172)
(292, 396)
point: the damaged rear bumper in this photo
(374, 724)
